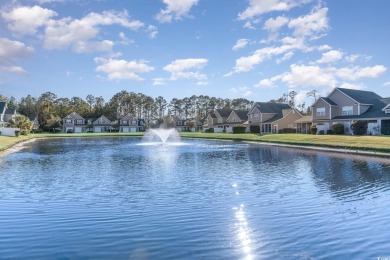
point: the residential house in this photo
(272, 117)
(346, 106)
(74, 123)
(217, 119)
(102, 124)
(304, 124)
(3, 108)
(236, 118)
(129, 123)
(34, 119)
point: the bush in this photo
(17, 133)
(329, 132)
(321, 132)
(239, 129)
(209, 130)
(338, 129)
(224, 131)
(313, 129)
(287, 131)
(359, 127)
(24, 132)
(254, 129)
(37, 131)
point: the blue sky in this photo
(257, 49)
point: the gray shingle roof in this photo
(2, 107)
(272, 108)
(224, 112)
(375, 111)
(327, 100)
(361, 96)
(10, 111)
(242, 114)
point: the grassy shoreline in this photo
(379, 144)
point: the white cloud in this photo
(152, 30)
(353, 86)
(26, 20)
(77, 34)
(357, 73)
(285, 57)
(186, 68)
(330, 56)
(311, 25)
(274, 25)
(122, 69)
(241, 43)
(265, 83)
(159, 81)
(175, 10)
(309, 76)
(244, 91)
(386, 84)
(259, 7)
(249, 25)
(10, 53)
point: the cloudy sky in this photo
(257, 49)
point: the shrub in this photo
(338, 129)
(329, 132)
(239, 129)
(36, 131)
(224, 131)
(24, 132)
(17, 133)
(254, 129)
(313, 129)
(321, 132)
(209, 130)
(287, 131)
(359, 127)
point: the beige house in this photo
(345, 106)
(236, 118)
(102, 124)
(129, 123)
(74, 123)
(217, 119)
(273, 117)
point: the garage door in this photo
(133, 129)
(126, 129)
(77, 129)
(97, 130)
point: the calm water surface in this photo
(111, 198)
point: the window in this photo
(387, 111)
(124, 122)
(68, 121)
(256, 116)
(347, 110)
(79, 122)
(133, 122)
(320, 111)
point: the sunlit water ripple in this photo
(113, 198)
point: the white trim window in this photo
(320, 111)
(347, 110)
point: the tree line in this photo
(50, 109)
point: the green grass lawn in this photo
(365, 143)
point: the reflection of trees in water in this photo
(350, 176)
(343, 175)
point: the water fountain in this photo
(161, 136)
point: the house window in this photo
(133, 122)
(387, 111)
(178, 122)
(257, 117)
(347, 110)
(320, 111)
(124, 121)
(79, 122)
(266, 128)
(68, 121)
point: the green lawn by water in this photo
(365, 143)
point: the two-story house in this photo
(3, 108)
(102, 124)
(272, 117)
(345, 106)
(74, 123)
(236, 117)
(217, 119)
(129, 123)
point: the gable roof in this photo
(106, 120)
(74, 115)
(224, 112)
(271, 108)
(3, 106)
(361, 96)
(212, 115)
(10, 111)
(242, 114)
(327, 100)
(375, 111)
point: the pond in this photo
(113, 198)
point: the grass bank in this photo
(361, 143)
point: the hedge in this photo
(239, 129)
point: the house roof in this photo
(375, 111)
(271, 108)
(224, 112)
(74, 115)
(327, 100)
(212, 115)
(361, 96)
(242, 114)
(2, 107)
(10, 111)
